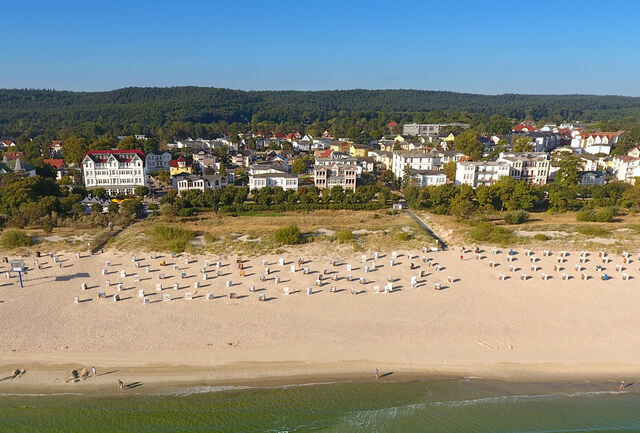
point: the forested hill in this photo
(150, 108)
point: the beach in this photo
(477, 325)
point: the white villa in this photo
(117, 171)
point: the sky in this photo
(482, 46)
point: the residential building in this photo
(89, 201)
(428, 177)
(188, 182)
(592, 178)
(56, 149)
(430, 128)
(475, 173)
(335, 174)
(595, 143)
(626, 168)
(382, 157)
(119, 172)
(532, 167)
(59, 165)
(359, 150)
(156, 161)
(415, 160)
(282, 179)
(16, 166)
(180, 165)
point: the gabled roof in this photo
(57, 162)
(120, 155)
(13, 155)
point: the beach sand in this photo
(476, 326)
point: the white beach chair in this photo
(166, 297)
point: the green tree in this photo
(298, 166)
(449, 170)
(74, 149)
(141, 191)
(568, 173)
(467, 143)
(522, 143)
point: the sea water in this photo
(437, 406)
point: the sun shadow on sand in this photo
(132, 385)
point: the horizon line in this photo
(309, 90)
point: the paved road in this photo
(421, 223)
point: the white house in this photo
(532, 167)
(117, 171)
(187, 182)
(156, 161)
(592, 178)
(414, 160)
(272, 179)
(475, 173)
(428, 177)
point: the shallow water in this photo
(437, 406)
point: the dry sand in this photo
(477, 325)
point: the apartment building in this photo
(532, 167)
(335, 174)
(475, 173)
(414, 160)
(119, 172)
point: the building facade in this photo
(414, 161)
(156, 161)
(119, 172)
(281, 179)
(475, 173)
(532, 167)
(335, 174)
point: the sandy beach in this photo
(477, 325)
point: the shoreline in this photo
(157, 378)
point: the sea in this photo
(452, 405)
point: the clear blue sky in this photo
(480, 46)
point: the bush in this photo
(586, 214)
(541, 237)
(485, 232)
(171, 238)
(606, 214)
(404, 236)
(344, 236)
(593, 230)
(516, 216)
(185, 212)
(15, 239)
(288, 235)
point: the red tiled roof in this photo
(57, 163)
(120, 155)
(525, 126)
(14, 155)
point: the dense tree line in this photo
(238, 200)
(178, 112)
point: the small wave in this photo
(183, 392)
(17, 394)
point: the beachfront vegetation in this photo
(345, 236)
(516, 216)
(289, 235)
(170, 238)
(15, 239)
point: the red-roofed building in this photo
(525, 127)
(391, 125)
(5, 144)
(14, 155)
(180, 165)
(59, 165)
(119, 172)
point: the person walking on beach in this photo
(461, 257)
(93, 369)
(621, 385)
(120, 385)
(377, 374)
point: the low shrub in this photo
(592, 230)
(606, 214)
(541, 237)
(288, 235)
(15, 239)
(485, 232)
(170, 238)
(586, 214)
(344, 236)
(516, 216)
(404, 236)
